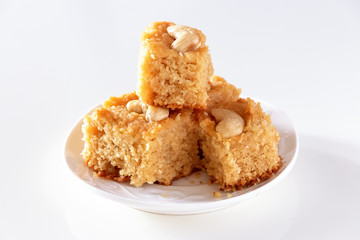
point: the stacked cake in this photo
(181, 119)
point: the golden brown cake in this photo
(174, 67)
(221, 91)
(122, 145)
(244, 159)
(185, 119)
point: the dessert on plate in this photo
(126, 144)
(182, 118)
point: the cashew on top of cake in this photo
(186, 38)
(229, 122)
(152, 113)
(134, 106)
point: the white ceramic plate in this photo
(189, 195)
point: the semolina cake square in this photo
(123, 146)
(221, 91)
(174, 67)
(245, 159)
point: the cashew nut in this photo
(134, 106)
(152, 113)
(229, 122)
(186, 38)
(144, 107)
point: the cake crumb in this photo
(228, 195)
(165, 195)
(160, 65)
(217, 194)
(123, 144)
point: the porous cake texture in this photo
(181, 118)
(170, 76)
(221, 92)
(123, 146)
(241, 160)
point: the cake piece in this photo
(241, 159)
(233, 140)
(174, 67)
(221, 91)
(124, 145)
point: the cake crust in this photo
(120, 145)
(123, 146)
(245, 159)
(221, 92)
(168, 78)
(181, 118)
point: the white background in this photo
(58, 59)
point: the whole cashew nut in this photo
(186, 38)
(229, 122)
(152, 113)
(134, 106)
